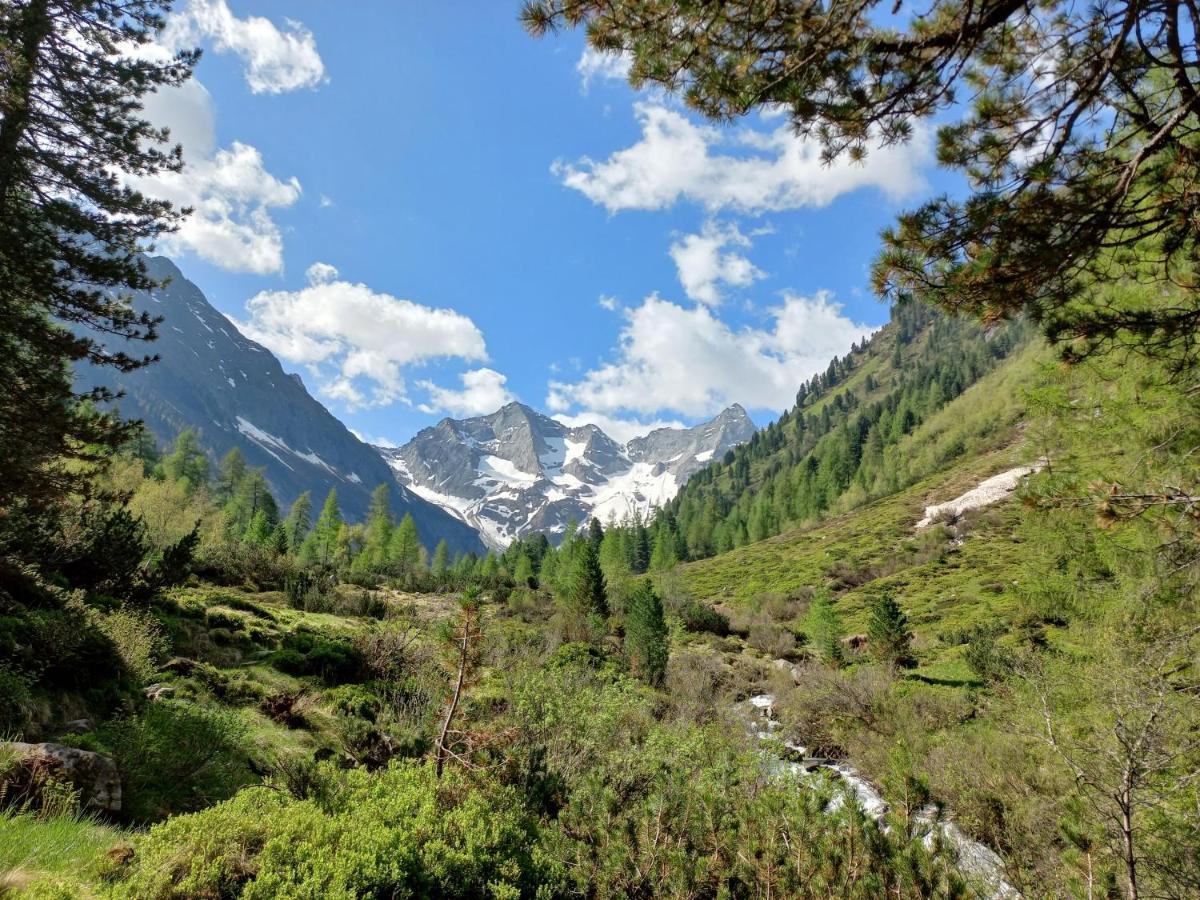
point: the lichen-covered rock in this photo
(93, 774)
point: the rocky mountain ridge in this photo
(517, 471)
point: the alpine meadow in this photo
(599, 449)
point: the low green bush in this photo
(398, 833)
(177, 757)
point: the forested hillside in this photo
(836, 448)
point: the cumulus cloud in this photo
(705, 265)
(692, 363)
(483, 391)
(609, 302)
(355, 340)
(599, 65)
(230, 191)
(276, 61)
(676, 160)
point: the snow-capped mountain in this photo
(517, 472)
(234, 393)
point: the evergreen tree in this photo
(647, 644)
(251, 499)
(584, 592)
(323, 542)
(230, 472)
(523, 572)
(298, 522)
(888, 633)
(72, 231)
(186, 462)
(441, 562)
(595, 533)
(663, 558)
(825, 630)
(376, 553)
(404, 549)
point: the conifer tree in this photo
(663, 557)
(186, 462)
(72, 231)
(376, 552)
(585, 590)
(230, 472)
(440, 566)
(523, 572)
(647, 645)
(404, 549)
(323, 542)
(298, 522)
(595, 532)
(825, 630)
(889, 636)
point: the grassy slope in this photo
(942, 585)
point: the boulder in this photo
(159, 691)
(80, 726)
(93, 774)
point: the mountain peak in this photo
(518, 471)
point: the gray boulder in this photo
(93, 774)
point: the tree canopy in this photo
(1077, 130)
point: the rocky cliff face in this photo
(234, 393)
(517, 472)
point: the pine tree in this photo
(825, 630)
(647, 644)
(186, 462)
(889, 636)
(298, 522)
(404, 550)
(72, 82)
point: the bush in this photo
(773, 640)
(15, 699)
(177, 757)
(700, 617)
(398, 833)
(138, 639)
(305, 654)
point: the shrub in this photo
(177, 757)
(15, 698)
(398, 833)
(774, 640)
(305, 654)
(700, 617)
(138, 639)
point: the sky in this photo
(426, 213)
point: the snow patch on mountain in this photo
(517, 471)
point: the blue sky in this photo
(427, 214)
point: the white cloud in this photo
(483, 392)
(620, 429)
(608, 302)
(596, 65)
(376, 441)
(276, 61)
(690, 362)
(230, 191)
(321, 273)
(675, 160)
(355, 340)
(705, 265)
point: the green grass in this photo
(56, 850)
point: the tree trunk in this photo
(458, 686)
